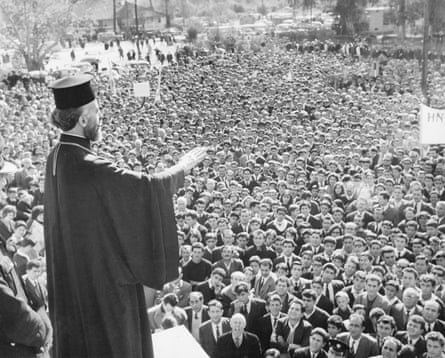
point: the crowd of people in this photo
(314, 227)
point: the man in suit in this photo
(330, 286)
(266, 282)
(267, 325)
(211, 330)
(212, 288)
(414, 335)
(33, 288)
(431, 311)
(360, 344)
(297, 283)
(238, 343)
(408, 307)
(197, 313)
(282, 286)
(372, 298)
(314, 315)
(317, 340)
(252, 308)
(435, 344)
(287, 256)
(228, 263)
(294, 331)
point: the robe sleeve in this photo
(140, 208)
(20, 324)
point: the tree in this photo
(34, 27)
(351, 14)
(192, 34)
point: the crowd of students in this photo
(316, 216)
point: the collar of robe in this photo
(76, 141)
(71, 139)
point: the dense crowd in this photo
(316, 214)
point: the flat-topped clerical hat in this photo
(73, 91)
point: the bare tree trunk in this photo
(402, 17)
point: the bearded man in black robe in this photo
(108, 232)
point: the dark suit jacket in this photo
(367, 346)
(439, 326)
(226, 348)
(301, 336)
(367, 217)
(208, 293)
(204, 316)
(419, 347)
(257, 310)
(280, 260)
(267, 287)
(265, 330)
(35, 295)
(306, 353)
(318, 318)
(20, 325)
(235, 265)
(325, 304)
(400, 316)
(206, 337)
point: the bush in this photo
(192, 34)
(238, 8)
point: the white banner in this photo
(432, 125)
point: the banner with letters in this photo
(432, 125)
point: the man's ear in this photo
(83, 120)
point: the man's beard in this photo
(93, 133)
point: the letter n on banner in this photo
(432, 125)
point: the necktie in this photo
(260, 284)
(196, 315)
(274, 324)
(238, 342)
(244, 309)
(352, 348)
(217, 332)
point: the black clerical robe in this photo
(108, 231)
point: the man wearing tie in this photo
(360, 344)
(330, 286)
(413, 335)
(211, 330)
(197, 313)
(318, 339)
(238, 343)
(288, 256)
(267, 325)
(266, 283)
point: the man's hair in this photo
(241, 287)
(309, 293)
(411, 270)
(417, 319)
(386, 319)
(273, 298)
(170, 298)
(219, 271)
(336, 321)
(435, 336)
(66, 119)
(266, 262)
(321, 332)
(32, 264)
(215, 303)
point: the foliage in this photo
(238, 8)
(192, 34)
(351, 14)
(33, 27)
(262, 10)
(308, 4)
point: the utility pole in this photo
(114, 16)
(137, 28)
(426, 31)
(167, 15)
